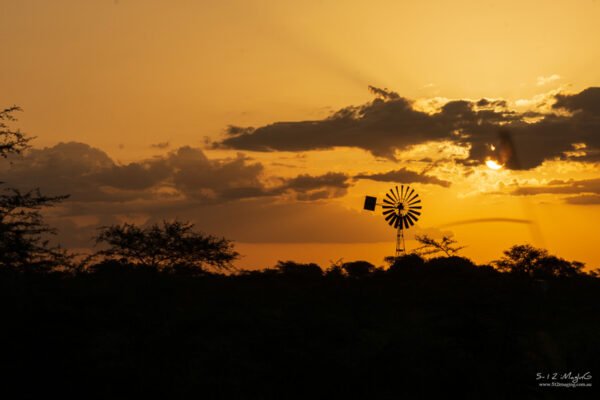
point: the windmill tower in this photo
(401, 209)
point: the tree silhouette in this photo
(23, 233)
(167, 246)
(432, 246)
(300, 270)
(358, 269)
(11, 141)
(528, 260)
(404, 262)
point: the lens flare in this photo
(493, 164)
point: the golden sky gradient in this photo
(135, 79)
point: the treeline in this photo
(417, 329)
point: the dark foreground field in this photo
(124, 333)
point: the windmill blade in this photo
(394, 194)
(389, 207)
(390, 197)
(400, 223)
(416, 217)
(386, 201)
(416, 196)
(414, 202)
(401, 194)
(390, 219)
(414, 207)
(405, 220)
(412, 219)
(413, 212)
(408, 194)
(387, 212)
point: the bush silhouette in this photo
(407, 262)
(451, 264)
(299, 270)
(526, 260)
(358, 269)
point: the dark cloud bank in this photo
(390, 123)
(89, 174)
(587, 190)
(230, 197)
(405, 176)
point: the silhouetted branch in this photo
(22, 230)
(432, 246)
(11, 141)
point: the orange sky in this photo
(125, 76)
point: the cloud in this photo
(544, 80)
(405, 176)
(587, 190)
(310, 188)
(134, 176)
(487, 220)
(89, 174)
(390, 123)
(305, 182)
(586, 199)
(587, 102)
(195, 176)
(562, 187)
(161, 145)
(69, 168)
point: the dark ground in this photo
(412, 333)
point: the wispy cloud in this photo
(587, 191)
(161, 145)
(544, 80)
(405, 176)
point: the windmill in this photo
(401, 211)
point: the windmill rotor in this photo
(401, 207)
(401, 210)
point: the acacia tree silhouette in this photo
(170, 246)
(432, 246)
(23, 233)
(528, 260)
(11, 141)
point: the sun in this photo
(493, 164)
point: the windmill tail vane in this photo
(401, 210)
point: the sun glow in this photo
(493, 164)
